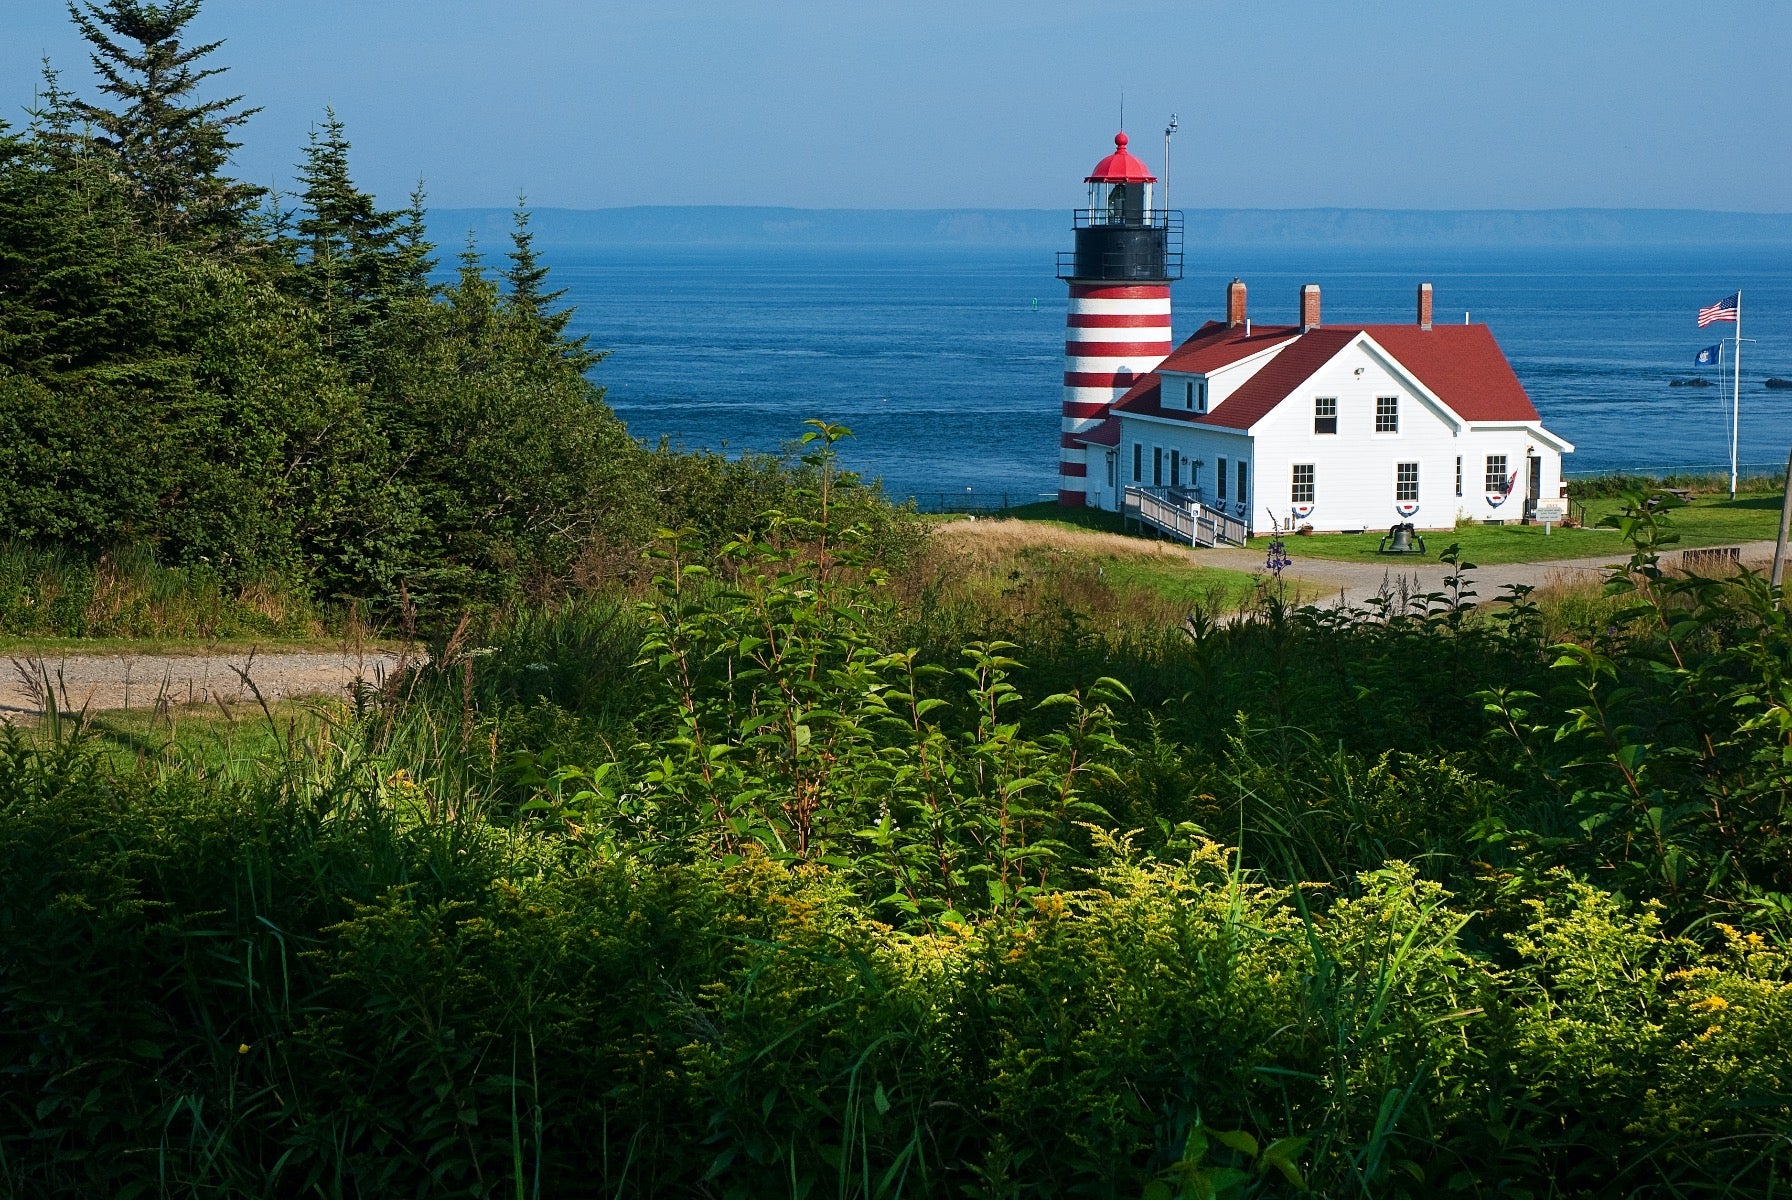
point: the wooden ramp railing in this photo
(1181, 514)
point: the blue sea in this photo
(946, 363)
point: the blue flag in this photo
(1706, 357)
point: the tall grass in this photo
(126, 593)
(1702, 483)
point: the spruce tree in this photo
(351, 255)
(415, 250)
(528, 301)
(169, 146)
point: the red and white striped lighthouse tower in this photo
(1127, 253)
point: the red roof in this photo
(1105, 434)
(1214, 346)
(1460, 364)
(1120, 167)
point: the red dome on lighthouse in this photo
(1120, 166)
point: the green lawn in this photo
(1707, 521)
(1049, 512)
(1186, 585)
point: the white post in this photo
(1168, 130)
(1736, 396)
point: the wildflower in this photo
(1278, 560)
(1712, 1004)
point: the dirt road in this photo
(113, 681)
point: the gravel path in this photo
(1354, 583)
(113, 681)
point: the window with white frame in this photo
(1303, 489)
(1325, 414)
(1498, 483)
(1406, 483)
(1459, 474)
(1138, 462)
(1244, 480)
(1201, 395)
(1387, 414)
(1157, 466)
(1188, 395)
(1175, 468)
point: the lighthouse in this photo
(1127, 254)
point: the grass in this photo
(50, 592)
(1707, 521)
(208, 738)
(1025, 565)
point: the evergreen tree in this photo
(53, 116)
(170, 147)
(351, 251)
(528, 301)
(415, 250)
(526, 274)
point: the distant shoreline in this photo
(699, 225)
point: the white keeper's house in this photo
(1341, 427)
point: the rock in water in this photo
(1777, 382)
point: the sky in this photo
(1002, 103)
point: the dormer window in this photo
(1194, 395)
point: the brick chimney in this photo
(1235, 304)
(1309, 307)
(1424, 306)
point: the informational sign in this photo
(1551, 512)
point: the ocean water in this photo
(946, 363)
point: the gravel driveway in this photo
(112, 681)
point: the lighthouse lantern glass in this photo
(1119, 203)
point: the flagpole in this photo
(1736, 395)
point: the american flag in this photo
(1723, 310)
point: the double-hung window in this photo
(1459, 474)
(1201, 396)
(1175, 469)
(1497, 481)
(1138, 462)
(1188, 395)
(1220, 481)
(1302, 489)
(1387, 414)
(1325, 414)
(1244, 479)
(1157, 466)
(1406, 483)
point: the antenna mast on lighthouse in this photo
(1168, 131)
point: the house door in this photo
(1533, 484)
